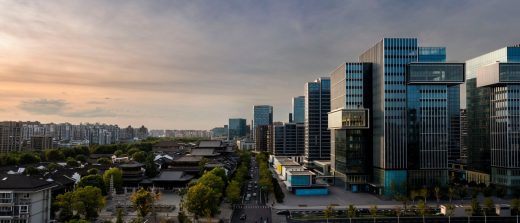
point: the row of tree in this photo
(234, 188)
(267, 181)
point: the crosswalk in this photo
(249, 206)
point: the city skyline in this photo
(184, 65)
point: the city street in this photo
(253, 201)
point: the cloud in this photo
(43, 106)
(244, 52)
(90, 113)
(60, 107)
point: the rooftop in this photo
(189, 159)
(24, 183)
(203, 152)
(172, 176)
(210, 143)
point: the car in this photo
(254, 194)
(243, 217)
(248, 198)
(283, 212)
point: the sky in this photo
(194, 64)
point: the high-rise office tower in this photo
(351, 147)
(262, 118)
(10, 136)
(262, 137)
(298, 106)
(263, 115)
(415, 105)
(493, 105)
(288, 139)
(237, 128)
(317, 106)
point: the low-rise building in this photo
(25, 199)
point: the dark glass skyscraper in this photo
(415, 107)
(351, 148)
(288, 139)
(493, 111)
(236, 128)
(298, 104)
(317, 105)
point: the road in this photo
(254, 208)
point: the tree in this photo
(92, 171)
(119, 216)
(451, 192)
(28, 158)
(413, 195)
(150, 167)
(488, 205)
(142, 201)
(422, 208)
(119, 153)
(104, 161)
(437, 190)
(424, 193)
(95, 181)
(71, 162)
(80, 157)
(139, 156)
(133, 150)
(64, 202)
(118, 177)
(351, 212)
(515, 205)
(212, 181)
(53, 155)
(328, 212)
(373, 212)
(219, 172)
(88, 201)
(201, 197)
(233, 192)
(475, 207)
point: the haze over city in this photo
(191, 65)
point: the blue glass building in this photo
(493, 111)
(298, 104)
(236, 128)
(317, 106)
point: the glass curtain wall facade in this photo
(298, 104)
(351, 148)
(433, 117)
(236, 128)
(493, 110)
(262, 115)
(288, 139)
(415, 113)
(317, 105)
(389, 58)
